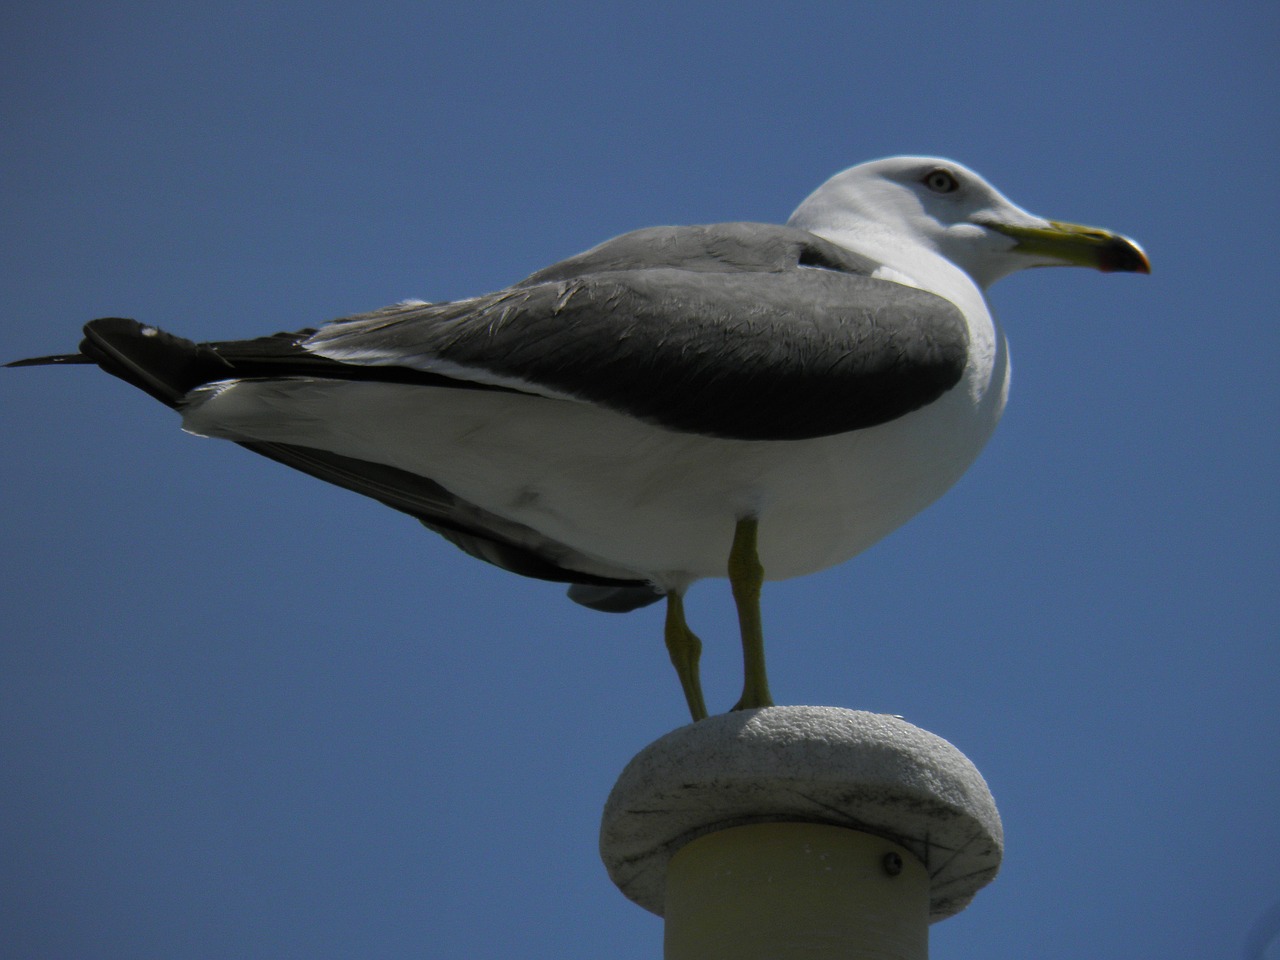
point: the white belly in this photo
(647, 500)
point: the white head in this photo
(892, 208)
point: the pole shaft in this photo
(796, 891)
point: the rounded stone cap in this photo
(847, 768)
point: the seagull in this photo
(749, 400)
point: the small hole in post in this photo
(892, 863)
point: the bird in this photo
(745, 400)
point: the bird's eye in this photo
(941, 180)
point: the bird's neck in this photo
(913, 263)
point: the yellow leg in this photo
(746, 577)
(685, 650)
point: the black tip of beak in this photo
(1122, 255)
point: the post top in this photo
(865, 771)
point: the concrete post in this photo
(800, 833)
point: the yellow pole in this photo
(796, 891)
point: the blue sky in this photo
(245, 714)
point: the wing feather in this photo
(684, 330)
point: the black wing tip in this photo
(58, 359)
(161, 364)
(114, 332)
(102, 330)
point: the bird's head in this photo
(890, 208)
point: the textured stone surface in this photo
(865, 771)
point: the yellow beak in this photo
(1071, 244)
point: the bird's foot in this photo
(753, 703)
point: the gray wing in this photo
(743, 331)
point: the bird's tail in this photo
(169, 368)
